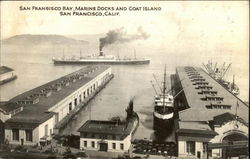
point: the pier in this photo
(48, 108)
(60, 125)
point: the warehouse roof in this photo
(36, 109)
(195, 128)
(5, 69)
(202, 106)
(7, 107)
(226, 117)
(105, 127)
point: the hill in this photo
(28, 39)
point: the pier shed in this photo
(6, 74)
(208, 115)
(46, 105)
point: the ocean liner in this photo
(163, 110)
(102, 59)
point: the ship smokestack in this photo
(100, 50)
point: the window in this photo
(15, 133)
(113, 145)
(80, 98)
(191, 147)
(75, 101)
(70, 106)
(29, 136)
(93, 144)
(93, 135)
(46, 130)
(85, 143)
(205, 147)
(121, 146)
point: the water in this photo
(35, 67)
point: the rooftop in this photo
(5, 69)
(203, 106)
(226, 117)
(105, 127)
(7, 107)
(195, 128)
(53, 92)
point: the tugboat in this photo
(163, 110)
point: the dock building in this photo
(6, 74)
(107, 136)
(112, 136)
(211, 120)
(45, 106)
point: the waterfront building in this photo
(6, 74)
(9, 109)
(212, 121)
(46, 106)
(109, 136)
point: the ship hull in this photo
(163, 125)
(118, 62)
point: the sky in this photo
(211, 28)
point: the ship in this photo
(218, 73)
(163, 116)
(101, 58)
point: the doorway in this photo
(103, 147)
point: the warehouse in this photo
(212, 121)
(46, 105)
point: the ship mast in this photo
(157, 83)
(164, 88)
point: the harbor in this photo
(165, 83)
(145, 140)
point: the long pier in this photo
(62, 124)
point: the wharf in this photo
(61, 124)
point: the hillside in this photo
(28, 39)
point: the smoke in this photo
(120, 36)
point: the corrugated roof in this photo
(198, 110)
(5, 69)
(38, 112)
